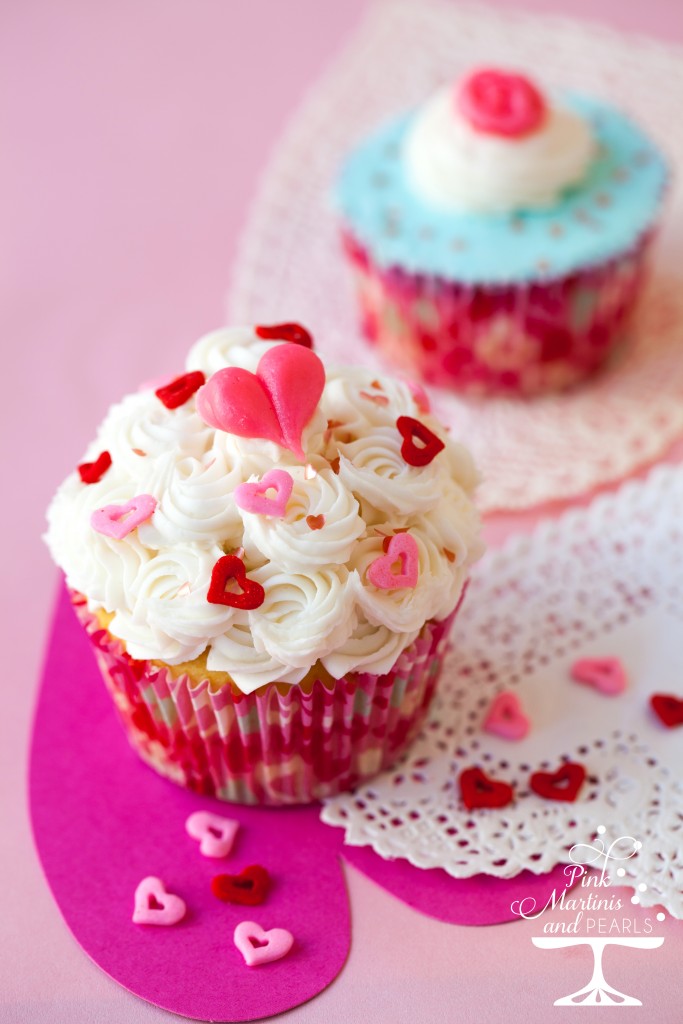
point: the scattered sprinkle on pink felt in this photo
(155, 905)
(505, 717)
(382, 572)
(215, 833)
(275, 403)
(253, 497)
(261, 947)
(119, 520)
(607, 675)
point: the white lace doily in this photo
(607, 580)
(290, 265)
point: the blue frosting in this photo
(600, 218)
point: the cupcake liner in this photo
(519, 339)
(281, 744)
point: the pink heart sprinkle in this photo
(251, 497)
(403, 548)
(606, 674)
(275, 403)
(420, 396)
(261, 947)
(505, 717)
(119, 520)
(216, 834)
(154, 905)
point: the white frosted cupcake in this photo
(267, 555)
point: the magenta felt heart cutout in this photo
(402, 548)
(505, 717)
(119, 520)
(155, 905)
(605, 674)
(252, 497)
(275, 403)
(261, 947)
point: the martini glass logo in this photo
(593, 897)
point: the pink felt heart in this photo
(215, 833)
(275, 403)
(505, 717)
(154, 905)
(605, 674)
(402, 548)
(119, 520)
(261, 947)
(252, 496)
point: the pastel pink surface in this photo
(252, 497)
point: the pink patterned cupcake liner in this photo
(514, 340)
(281, 744)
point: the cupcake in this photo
(498, 236)
(267, 554)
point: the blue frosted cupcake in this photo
(499, 236)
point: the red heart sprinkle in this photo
(430, 446)
(315, 522)
(478, 790)
(249, 888)
(668, 709)
(92, 472)
(181, 389)
(227, 568)
(564, 784)
(285, 332)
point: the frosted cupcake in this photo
(267, 555)
(498, 236)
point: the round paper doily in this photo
(605, 581)
(290, 265)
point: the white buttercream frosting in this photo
(457, 167)
(355, 490)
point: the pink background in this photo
(132, 136)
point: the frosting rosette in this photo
(240, 518)
(494, 144)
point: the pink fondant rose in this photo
(500, 103)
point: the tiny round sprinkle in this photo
(661, 916)
(601, 831)
(635, 899)
(621, 872)
(642, 887)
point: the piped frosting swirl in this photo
(352, 492)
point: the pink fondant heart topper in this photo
(402, 549)
(253, 497)
(607, 675)
(261, 947)
(119, 520)
(505, 717)
(155, 905)
(275, 403)
(215, 833)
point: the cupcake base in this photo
(281, 744)
(516, 340)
